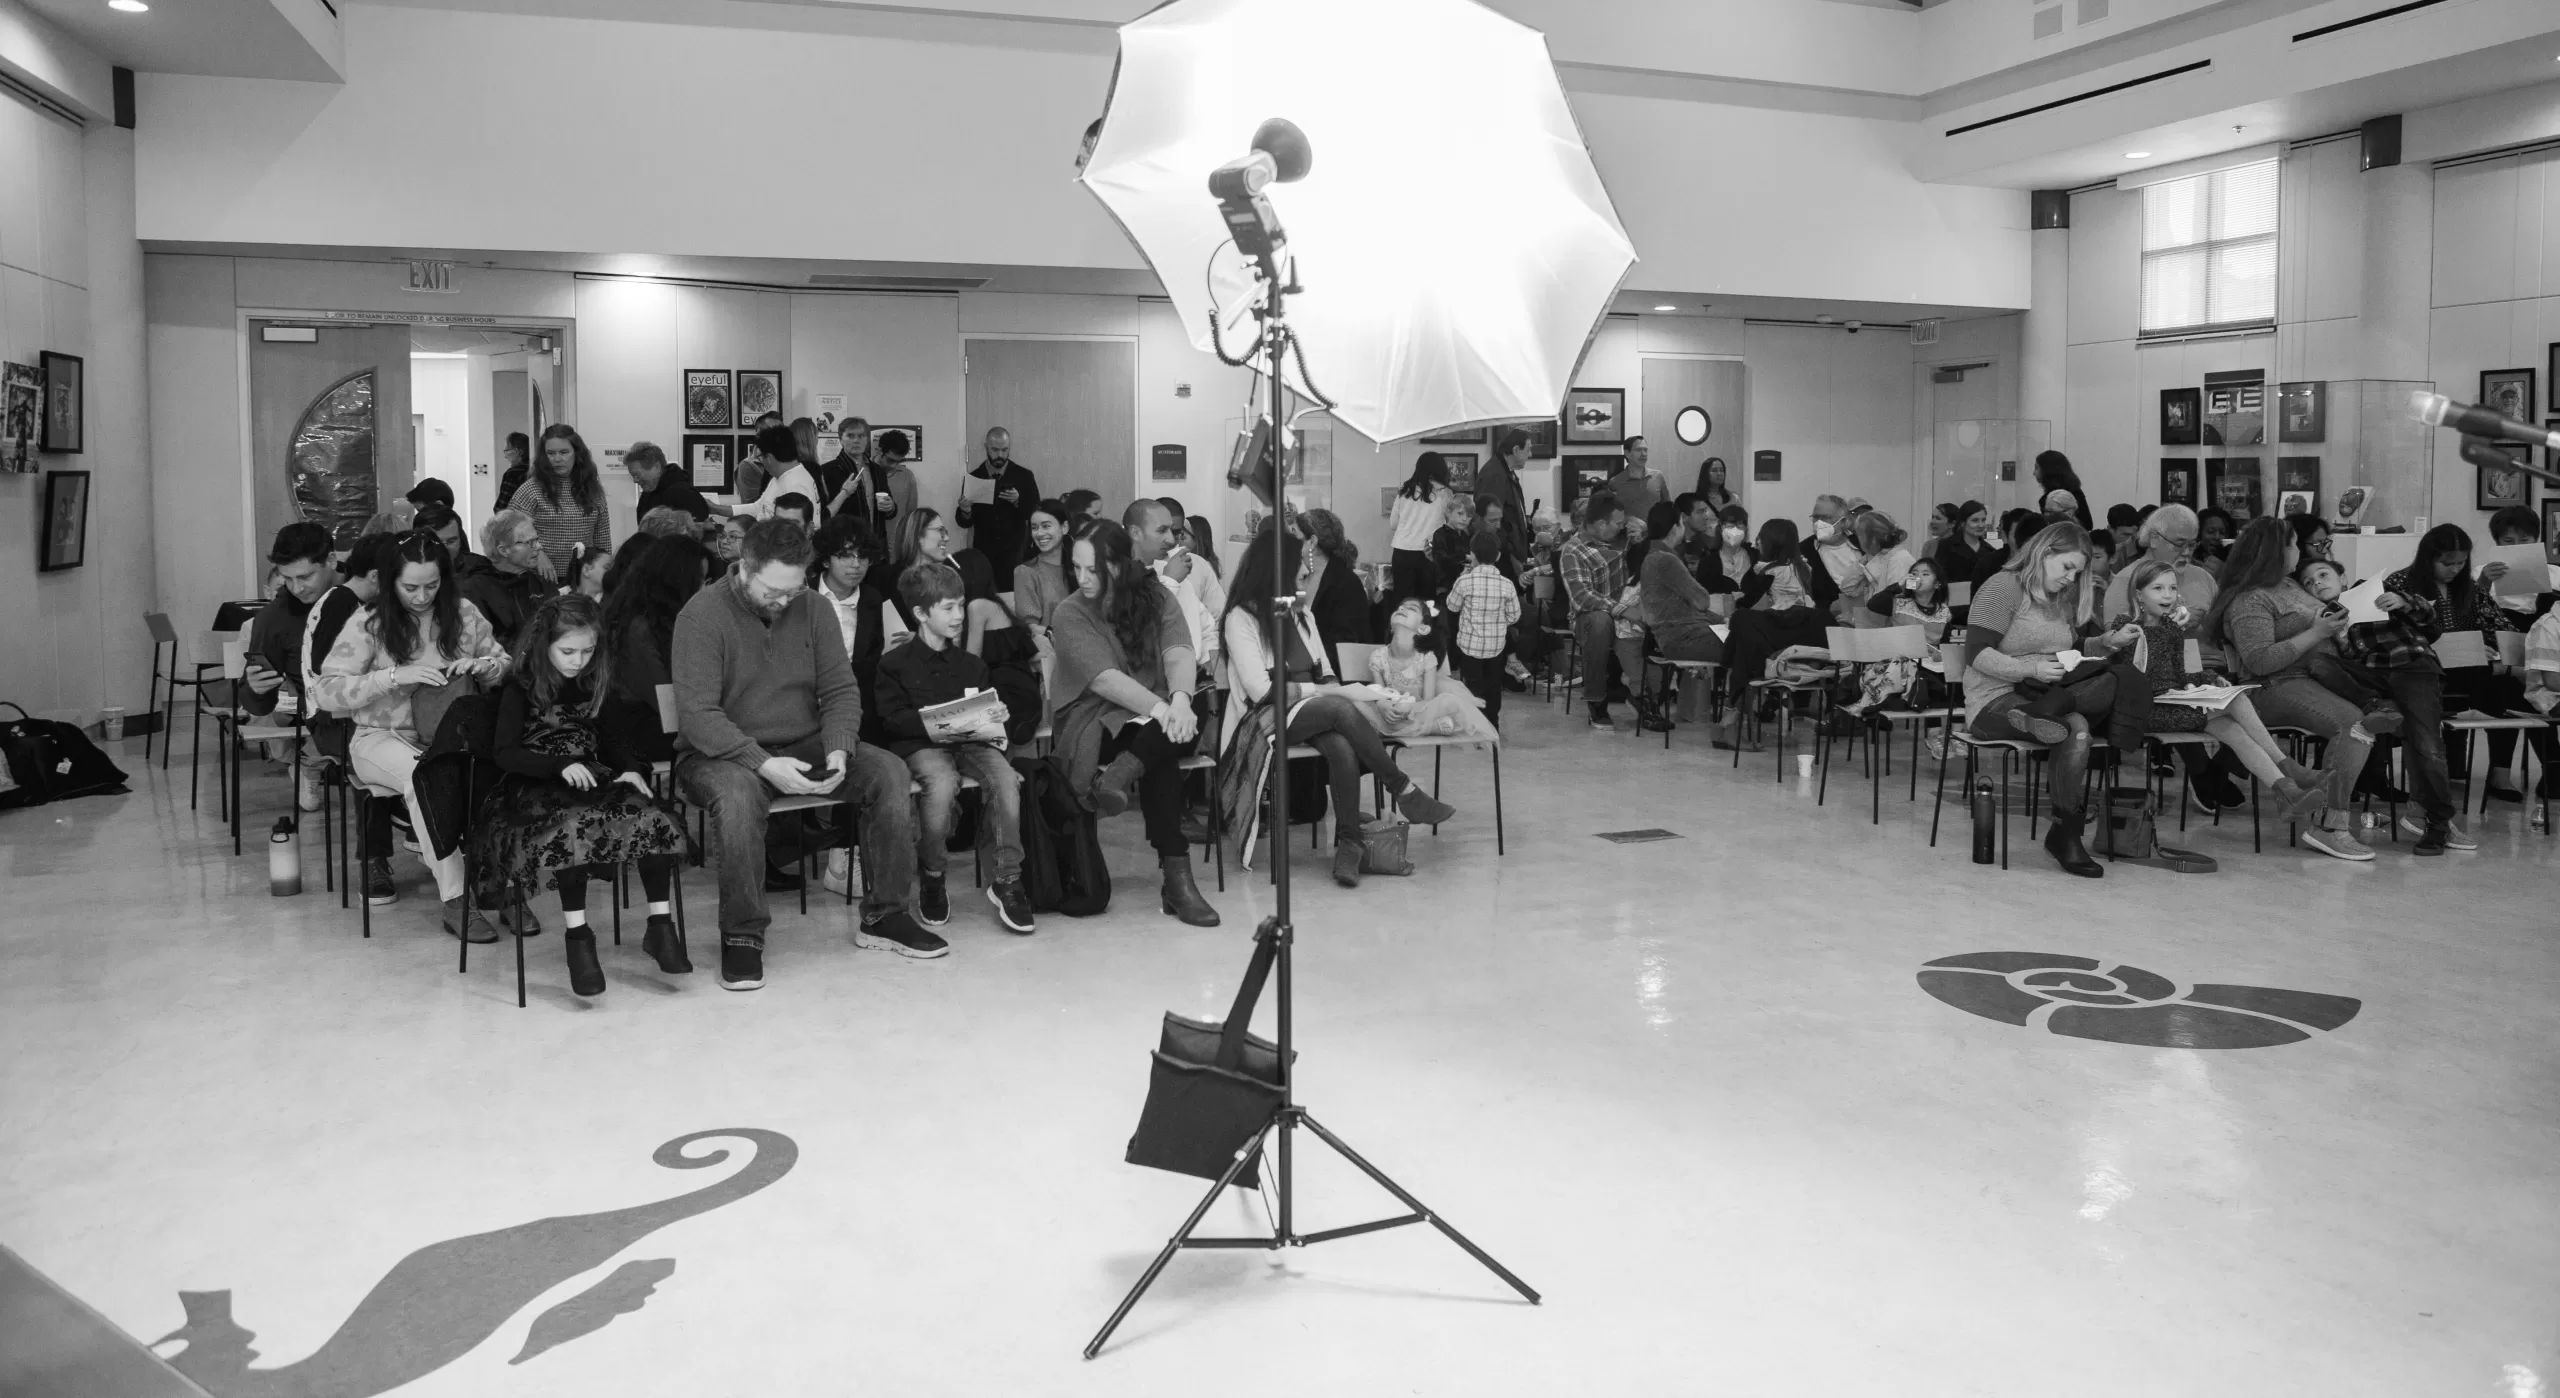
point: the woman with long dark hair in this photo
(923, 534)
(2269, 629)
(1341, 606)
(2440, 577)
(639, 617)
(1421, 506)
(564, 499)
(1319, 713)
(421, 634)
(1785, 601)
(1712, 485)
(1041, 580)
(1123, 691)
(1969, 554)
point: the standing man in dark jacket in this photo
(503, 582)
(1001, 522)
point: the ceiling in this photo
(212, 38)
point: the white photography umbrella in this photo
(1455, 244)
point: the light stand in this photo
(1276, 931)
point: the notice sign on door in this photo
(1172, 461)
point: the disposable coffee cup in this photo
(1804, 764)
(111, 723)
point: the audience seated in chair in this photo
(275, 663)
(1592, 565)
(2017, 688)
(1785, 600)
(2157, 665)
(2380, 664)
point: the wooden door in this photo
(365, 444)
(1713, 385)
(1071, 407)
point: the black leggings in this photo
(1411, 574)
(1758, 635)
(1335, 727)
(1159, 786)
(657, 875)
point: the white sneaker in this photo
(2337, 844)
(2454, 836)
(309, 796)
(840, 877)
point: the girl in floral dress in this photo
(1430, 702)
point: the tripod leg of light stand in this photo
(1421, 1213)
(1182, 1239)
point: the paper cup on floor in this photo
(111, 723)
(1804, 764)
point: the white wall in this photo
(2496, 301)
(440, 392)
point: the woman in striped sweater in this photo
(564, 499)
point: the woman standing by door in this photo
(565, 499)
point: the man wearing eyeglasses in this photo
(2169, 536)
(767, 706)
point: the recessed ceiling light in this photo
(1666, 306)
(131, 7)
(2137, 155)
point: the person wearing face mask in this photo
(1730, 559)
(1832, 546)
(999, 523)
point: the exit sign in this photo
(435, 278)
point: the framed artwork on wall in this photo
(2181, 416)
(2298, 475)
(66, 521)
(2551, 529)
(1462, 470)
(2302, 411)
(1543, 442)
(2178, 481)
(2553, 377)
(710, 397)
(2235, 484)
(1474, 437)
(2550, 455)
(1585, 474)
(915, 441)
(707, 463)
(21, 403)
(65, 423)
(759, 392)
(2496, 487)
(2293, 502)
(2508, 393)
(1595, 416)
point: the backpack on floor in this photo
(1062, 867)
(50, 761)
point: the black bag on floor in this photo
(1062, 866)
(50, 761)
(1212, 1087)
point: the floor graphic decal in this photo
(440, 1302)
(2126, 1004)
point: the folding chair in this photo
(1355, 670)
(1703, 671)
(2160, 743)
(1860, 645)
(2011, 750)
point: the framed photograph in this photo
(2497, 487)
(915, 441)
(2553, 378)
(21, 403)
(2181, 416)
(2551, 530)
(2302, 411)
(708, 462)
(2178, 481)
(1595, 416)
(1475, 437)
(65, 425)
(710, 399)
(759, 392)
(2508, 393)
(66, 521)
(2292, 502)
(1543, 441)
(1462, 470)
(2236, 484)
(2298, 475)
(1585, 474)
(2350, 508)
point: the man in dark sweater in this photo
(934, 669)
(766, 705)
(1001, 522)
(660, 488)
(301, 557)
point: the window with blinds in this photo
(2209, 251)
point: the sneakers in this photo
(1600, 719)
(741, 968)
(309, 794)
(898, 932)
(2432, 840)
(664, 946)
(2337, 844)
(2047, 731)
(2454, 838)
(781, 880)
(839, 876)
(377, 883)
(476, 931)
(2381, 723)
(1423, 808)
(1013, 907)
(933, 900)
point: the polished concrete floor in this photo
(1693, 1090)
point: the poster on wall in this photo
(1764, 466)
(1585, 474)
(708, 398)
(759, 393)
(1543, 442)
(21, 401)
(65, 426)
(2302, 411)
(66, 521)
(2508, 392)
(2235, 484)
(912, 435)
(2181, 416)
(830, 412)
(1462, 470)
(2235, 408)
(2178, 481)
(1595, 416)
(706, 464)
(2297, 475)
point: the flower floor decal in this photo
(2126, 1004)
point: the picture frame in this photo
(759, 392)
(21, 404)
(1462, 470)
(2302, 411)
(65, 542)
(915, 439)
(1474, 437)
(1595, 416)
(2553, 379)
(2551, 528)
(2495, 488)
(1585, 474)
(2178, 481)
(1544, 442)
(2181, 416)
(2293, 502)
(64, 423)
(710, 400)
(2298, 475)
(709, 462)
(2237, 485)
(2551, 455)
(2508, 393)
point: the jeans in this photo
(1335, 727)
(2420, 695)
(939, 770)
(1483, 678)
(740, 803)
(1159, 784)
(2073, 707)
(1598, 637)
(2303, 702)
(382, 758)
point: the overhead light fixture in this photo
(2137, 155)
(131, 7)
(1666, 306)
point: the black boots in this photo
(2062, 841)
(1423, 808)
(665, 947)
(1181, 896)
(1348, 855)
(586, 976)
(1111, 784)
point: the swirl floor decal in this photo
(2126, 1004)
(439, 1303)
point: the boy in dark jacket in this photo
(931, 669)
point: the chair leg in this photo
(1938, 808)
(1435, 784)
(195, 751)
(1498, 850)
(2004, 805)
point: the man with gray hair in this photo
(2169, 535)
(504, 579)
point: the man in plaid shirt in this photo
(1486, 603)
(1594, 569)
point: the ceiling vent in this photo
(2196, 67)
(854, 282)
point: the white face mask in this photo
(1825, 531)
(1733, 538)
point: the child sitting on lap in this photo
(931, 669)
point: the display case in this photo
(2346, 450)
(1992, 460)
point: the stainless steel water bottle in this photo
(1986, 821)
